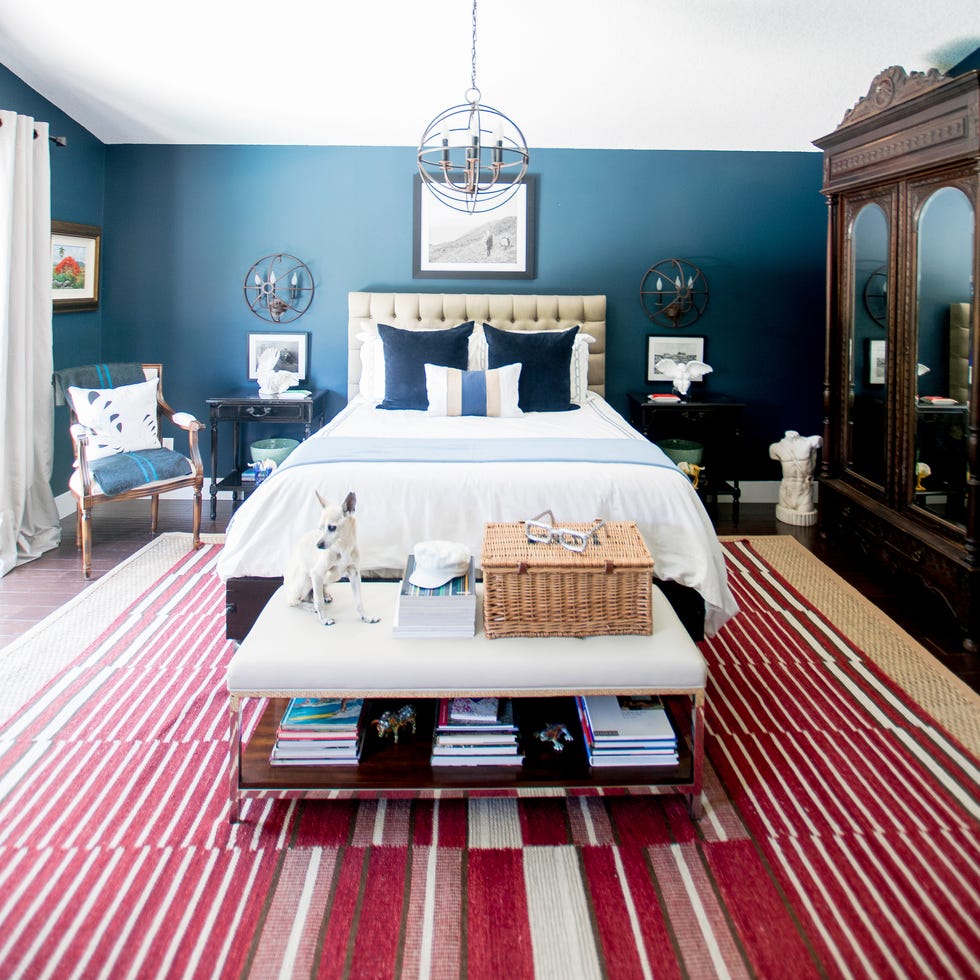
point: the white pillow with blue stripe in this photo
(492, 393)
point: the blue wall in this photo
(77, 194)
(183, 225)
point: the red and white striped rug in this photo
(841, 835)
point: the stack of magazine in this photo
(319, 732)
(624, 730)
(476, 732)
(449, 610)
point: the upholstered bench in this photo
(288, 653)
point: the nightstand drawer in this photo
(294, 411)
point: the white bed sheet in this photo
(399, 504)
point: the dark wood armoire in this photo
(899, 476)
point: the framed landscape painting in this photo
(498, 244)
(75, 266)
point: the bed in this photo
(419, 475)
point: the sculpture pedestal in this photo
(795, 517)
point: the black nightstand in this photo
(715, 423)
(249, 406)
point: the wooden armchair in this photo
(126, 463)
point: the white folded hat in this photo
(436, 562)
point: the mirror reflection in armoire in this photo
(944, 353)
(865, 430)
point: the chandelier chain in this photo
(472, 157)
(473, 58)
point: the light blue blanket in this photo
(540, 450)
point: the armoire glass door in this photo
(944, 352)
(867, 318)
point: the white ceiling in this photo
(647, 74)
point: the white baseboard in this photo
(759, 491)
(753, 492)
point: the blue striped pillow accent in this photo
(493, 393)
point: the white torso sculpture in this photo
(798, 455)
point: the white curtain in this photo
(28, 516)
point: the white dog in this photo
(324, 556)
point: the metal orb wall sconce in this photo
(674, 293)
(472, 157)
(876, 295)
(279, 288)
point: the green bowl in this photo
(682, 450)
(275, 449)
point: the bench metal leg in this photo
(697, 748)
(234, 756)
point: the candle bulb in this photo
(473, 130)
(445, 142)
(498, 148)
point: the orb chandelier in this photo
(471, 156)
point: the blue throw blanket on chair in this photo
(96, 376)
(116, 474)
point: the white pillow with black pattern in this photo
(117, 420)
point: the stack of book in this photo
(476, 732)
(449, 610)
(255, 473)
(319, 732)
(623, 730)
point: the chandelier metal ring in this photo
(472, 157)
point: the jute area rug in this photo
(38, 655)
(47, 648)
(841, 834)
(910, 665)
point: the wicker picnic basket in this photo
(542, 589)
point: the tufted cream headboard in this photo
(438, 311)
(959, 352)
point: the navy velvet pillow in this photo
(546, 357)
(406, 354)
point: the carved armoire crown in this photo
(899, 477)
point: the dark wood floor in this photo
(31, 591)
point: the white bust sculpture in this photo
(798, 455)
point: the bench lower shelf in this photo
(386, 766)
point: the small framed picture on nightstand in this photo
(679, 349)
(292, 351)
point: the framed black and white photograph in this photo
(293, 352)
(75, 266)
(679, 349)
(876, 362)
(498, 244)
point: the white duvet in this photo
(401, 503)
